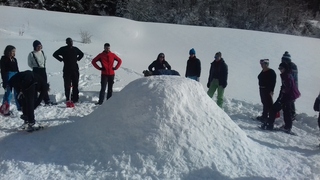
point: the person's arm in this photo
(57, 54)
(151, 66)
(167, 65)
(198, 68)
(94, 62)
(79, 54)
(119, 62)
(31, 60)
(4, 73)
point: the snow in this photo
(161, 127)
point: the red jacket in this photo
(106, 59)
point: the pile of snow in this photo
(162, 127)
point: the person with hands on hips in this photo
(70, 55)
(106, 59)
(218, 77)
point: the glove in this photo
(102, 69)
(224, 86)
(198, 79)
(208, 85)
(114, 68)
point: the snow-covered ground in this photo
(158, 127)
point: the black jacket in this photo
(7, 66)
(193, 67)
(69, 56)
(218, 70)
(25, 79)
(267, 80)
(157, 65)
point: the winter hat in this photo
(36, 43)
(192, 51)
(286, 57)
(283, 65)
(218, 54)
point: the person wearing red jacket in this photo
(106, 59)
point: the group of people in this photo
(30, 88)
(218, 74)
(289, 92)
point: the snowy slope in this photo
(158, 127)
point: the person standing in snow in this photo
(288, 93)
(37, 62)
(286, 58)
(69, 55)
(9, 67)
(267, 81)
(28, 84)
(218, 77)
(193, 69)
(159, 63)
(316, 107)
(106, 59)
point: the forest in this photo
(295, 17)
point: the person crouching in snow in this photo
(106, 59)
(28, 84)
(288, 93)
(147, 73)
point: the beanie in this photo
(192, 51)
(36, 43)
(286, 57)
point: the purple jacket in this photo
(289, 91)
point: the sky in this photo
(160, 127)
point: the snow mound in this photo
(162, 126)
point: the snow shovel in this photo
(69, 103)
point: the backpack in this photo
(295, 91)
(316, 104)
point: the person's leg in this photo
(28, 108)
(293, 111)
(75, 88)
(193, 77)
(67, 85)
(103, 83)
(110, 86)
(7, 95)
(319, 120)
(15, 93)
(287, 115)
(213, 87)
(220, 96)
(276, 107)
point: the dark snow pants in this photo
(28, 101)
(267, 102)
(42, 72)
(71, 78)
(106, 79)
(287, 113)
